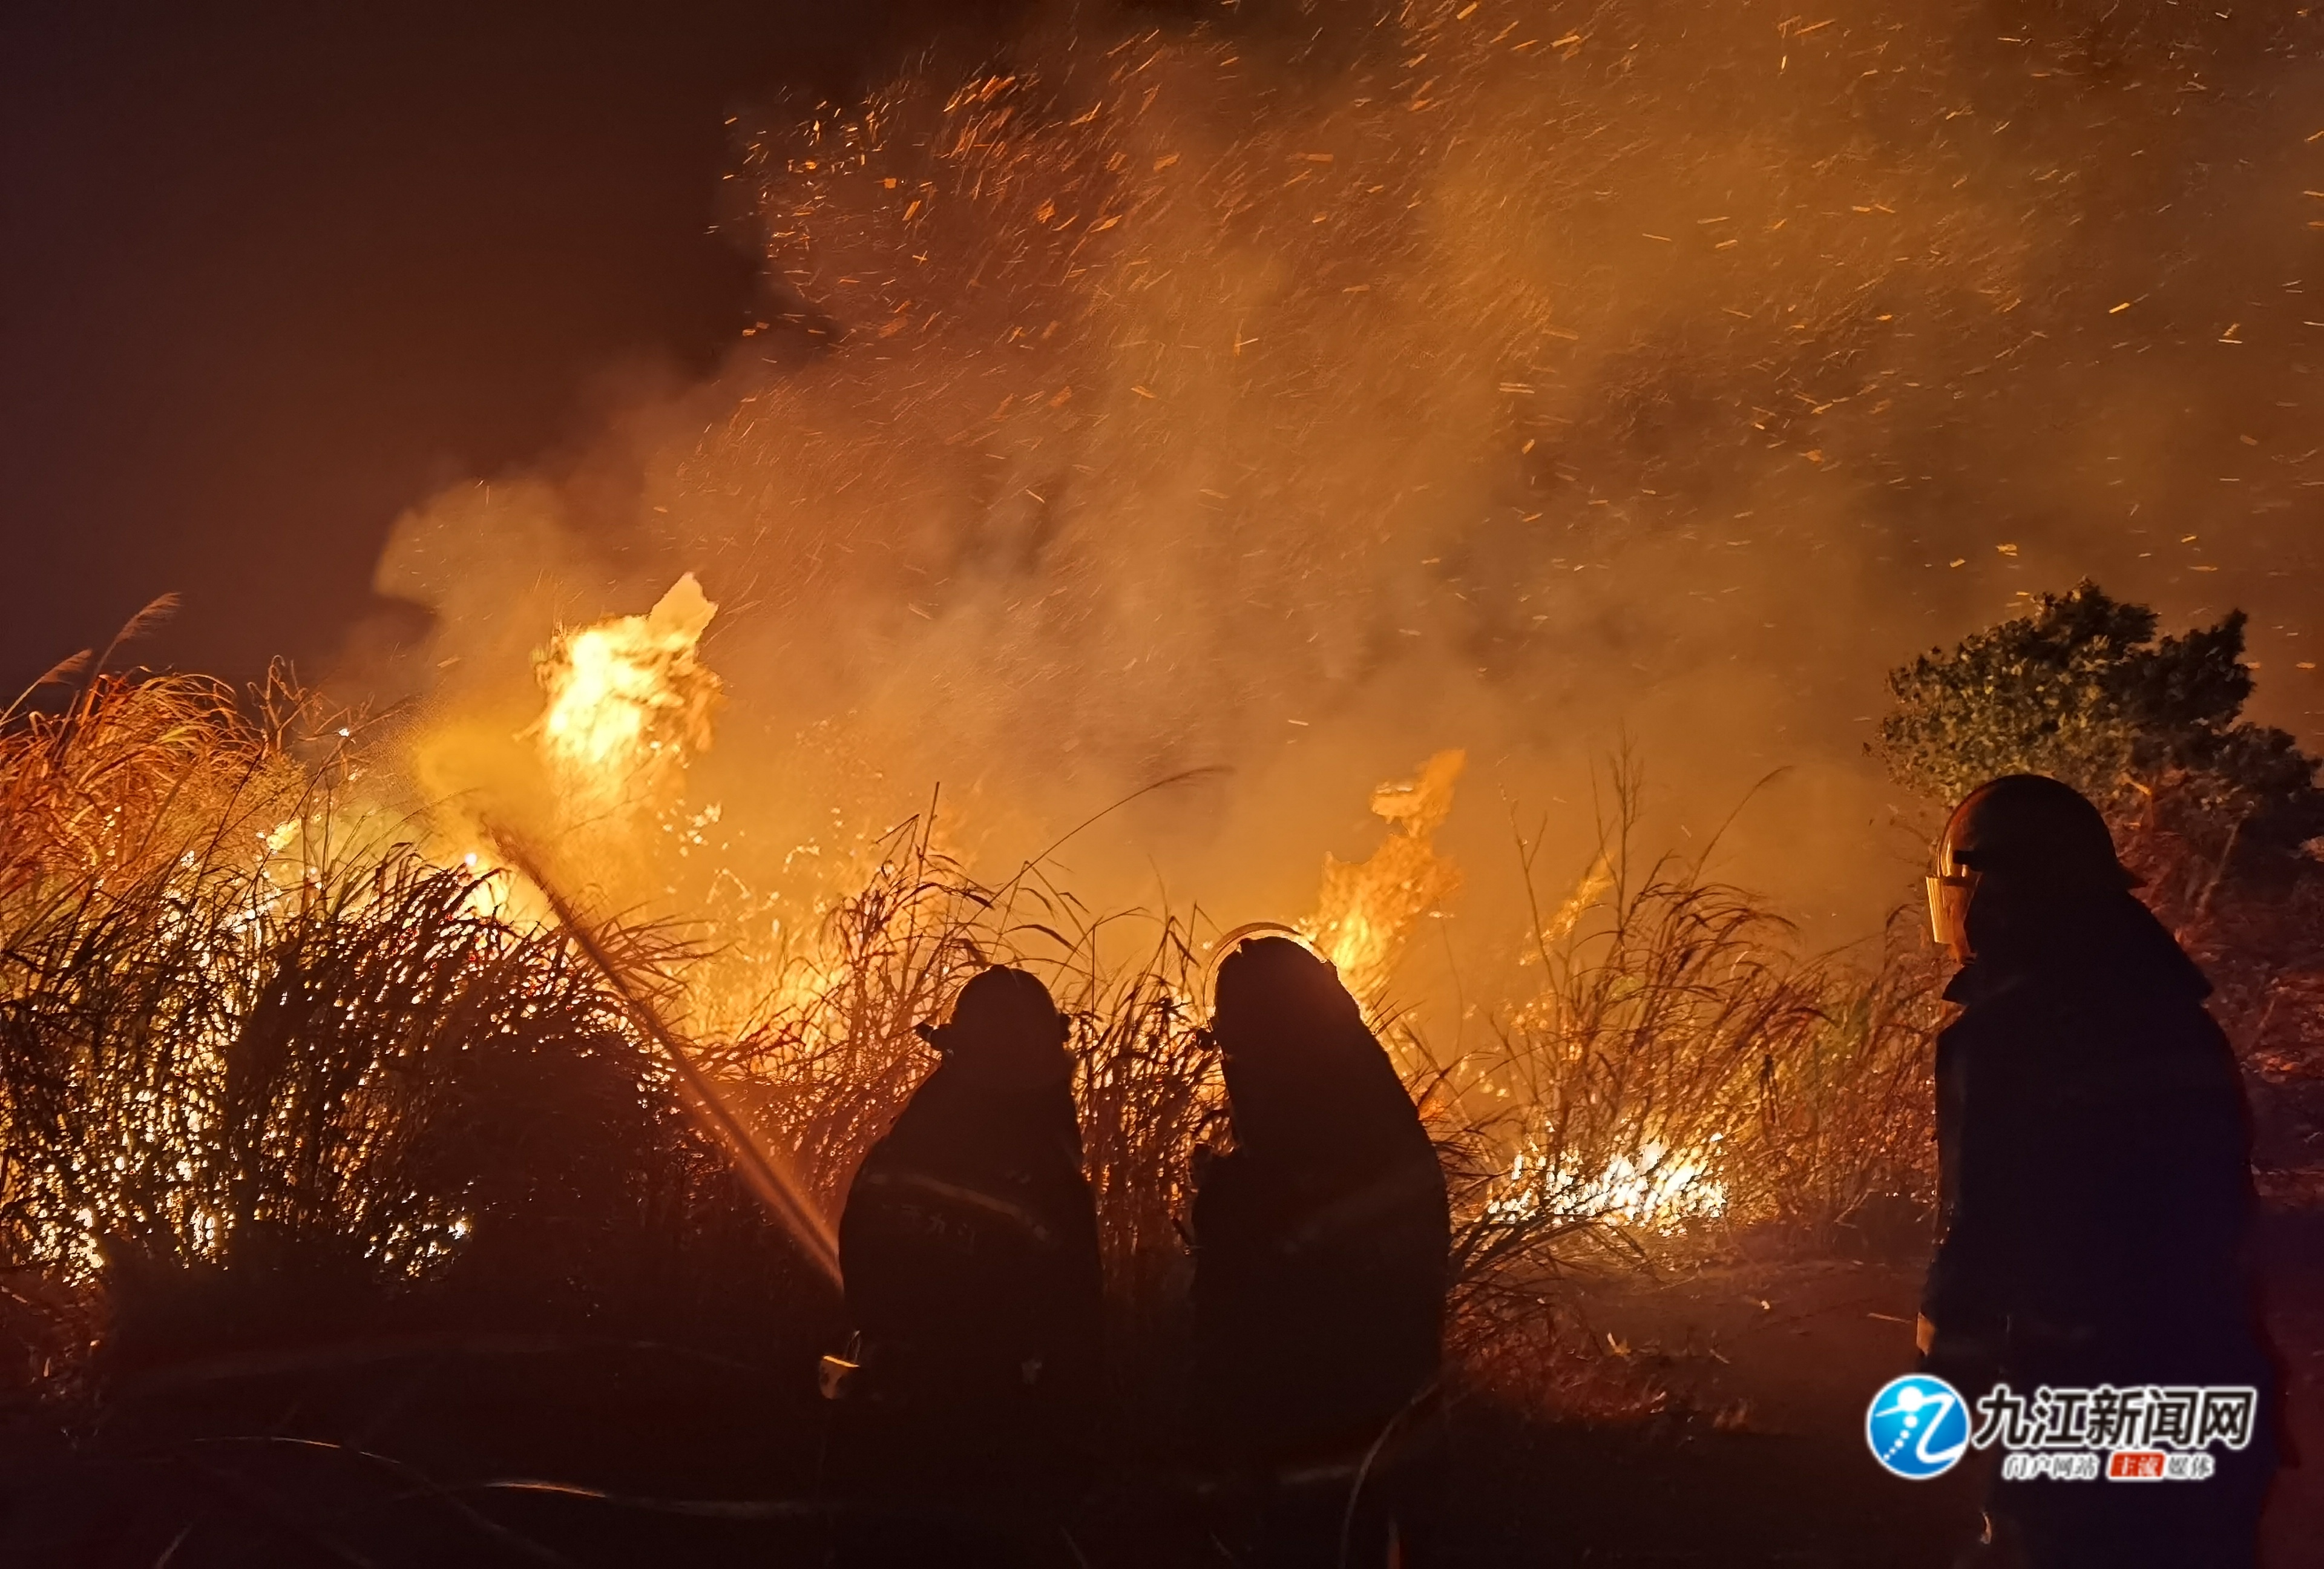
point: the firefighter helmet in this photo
(2036, 833)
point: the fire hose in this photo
(769, 1177)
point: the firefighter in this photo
(969, 1246)
(1321, 1250)
(2096, 1193)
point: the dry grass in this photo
(233, 1049)
(248, 1074)
(825, 1075)
(1681, 1074)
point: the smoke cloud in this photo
(1302, 394)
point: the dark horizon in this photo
(270, 278)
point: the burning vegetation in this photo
(628, 701)
(1221, 405)
(247, 1029)
(277, 1068)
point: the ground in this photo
(506, 1450)
(1782, 1357)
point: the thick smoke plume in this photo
(1303, 393)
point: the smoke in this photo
(1309, 392)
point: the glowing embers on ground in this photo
(629, 700)
(1653, 1187)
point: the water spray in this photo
(770, 1177)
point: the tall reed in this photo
(236, 1037)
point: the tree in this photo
(2081, 689)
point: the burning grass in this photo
(242, 1050)
(1681, 1076)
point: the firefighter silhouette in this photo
(2094, 1156)
(1321, 1247)
(969, 1247)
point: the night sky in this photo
(268, 276)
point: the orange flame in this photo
(629, 700)
(1367, 908)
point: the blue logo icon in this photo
(1917, 1426)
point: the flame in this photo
(1658, 1189)
(1654, 1189)
(629, 700)
(1367, 908)
(1594, 885)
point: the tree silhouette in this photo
(2081, 689)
